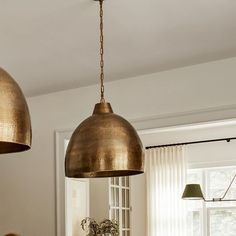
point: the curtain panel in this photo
(166, 177)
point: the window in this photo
(120, 203)
(212, 218)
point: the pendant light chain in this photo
(105, 144)
(101, 52)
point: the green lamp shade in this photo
(193, 192)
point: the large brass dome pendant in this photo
(15, 125)
(104, 145)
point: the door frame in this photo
(60, 138)
(68, 194)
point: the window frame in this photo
(215, 208)
(120, 207)
(204, 209)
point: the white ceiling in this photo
(53, 45)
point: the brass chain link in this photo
(101, 51)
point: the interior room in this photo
(117, 118)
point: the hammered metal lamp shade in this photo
(15, 125)
(193, 192)
(104, 145)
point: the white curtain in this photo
(166, 176)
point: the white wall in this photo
(139, 206)
(211, 155)
(199, 155)
(27, 180)
(99, 199)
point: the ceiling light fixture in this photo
(105, 144)
(15, 125)
(194, 192)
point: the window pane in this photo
(222, 222)
(117, 197)
(112, 181)
(123, 197)
(127, 181)
(127, 198)
(127, 219)
(120, 203)
(112, 197)
(113, 217)
(123, 181)
(194, 177)
(219, 180)
(194, 223)
(117, 216)
(116, 180)
(123, 219)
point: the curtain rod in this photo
(194, 142)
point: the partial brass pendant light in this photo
(15, 125)
(105, 144)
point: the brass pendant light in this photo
(15, 125)
(105, 144)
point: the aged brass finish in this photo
(15, 125)
(101, 51)
(104, 145)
